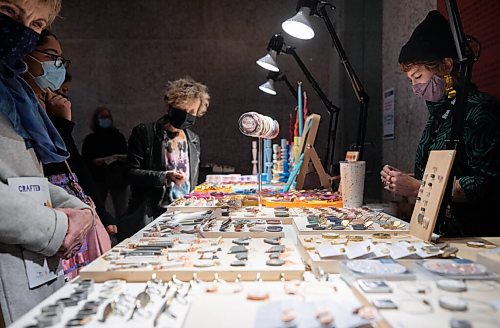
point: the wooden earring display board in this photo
(431, 192)
(310, 154)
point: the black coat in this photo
(147, 171)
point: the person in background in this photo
(164, 156)
(105, 151)
(429, 60)
(30, 231)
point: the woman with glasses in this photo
(46, 74)
(31, 232)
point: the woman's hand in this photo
(176, 177)
(398, 182)
(57, 105)
(112, 229)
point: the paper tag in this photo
(38, 270)
(330, 250)
(37, 266)
(401, 249)
(358, 249)
(35, 187)
(381, 249)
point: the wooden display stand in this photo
(181, 264)
(431, 193)
(307, 148)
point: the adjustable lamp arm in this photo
(356, 84)
(289, 85)
(333, 110)
(467, 58)
(330, 107)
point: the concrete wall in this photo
(400, 17)
(361, 34)
(124, 52)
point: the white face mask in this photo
(52, 77)
(433, 90)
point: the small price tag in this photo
(325, 251)
(359, 249)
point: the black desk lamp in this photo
(268, 86)
(298, 26)
(275, 47)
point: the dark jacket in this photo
(477, 162)
(147, 165)
(102, 143)
(78, 166)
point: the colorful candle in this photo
(300, 109)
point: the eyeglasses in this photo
(58, 60)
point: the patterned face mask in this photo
(433, 90)
(16, 40)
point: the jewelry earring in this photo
(450, 91)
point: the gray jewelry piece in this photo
(238, 249)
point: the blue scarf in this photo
(19, 103)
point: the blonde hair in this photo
(186, 89)
(54, 6)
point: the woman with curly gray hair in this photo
(164, 156)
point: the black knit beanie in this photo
(431, 40)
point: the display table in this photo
(261, 295)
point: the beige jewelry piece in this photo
(257, 295)
(355, 238)
(476, 244)
(330, 235)
(381, 235)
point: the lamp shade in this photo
(299, 26)
(269, 61)
(268, 87)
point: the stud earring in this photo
(450, 91)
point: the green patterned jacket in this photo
(478, 166)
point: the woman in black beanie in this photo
(430, 61)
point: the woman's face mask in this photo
(433, 90)
(104, 122)
(52, 77)
(16, 40)
(180, 119)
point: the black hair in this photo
(44, 37)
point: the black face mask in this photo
(16, 40)
(180, 119)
